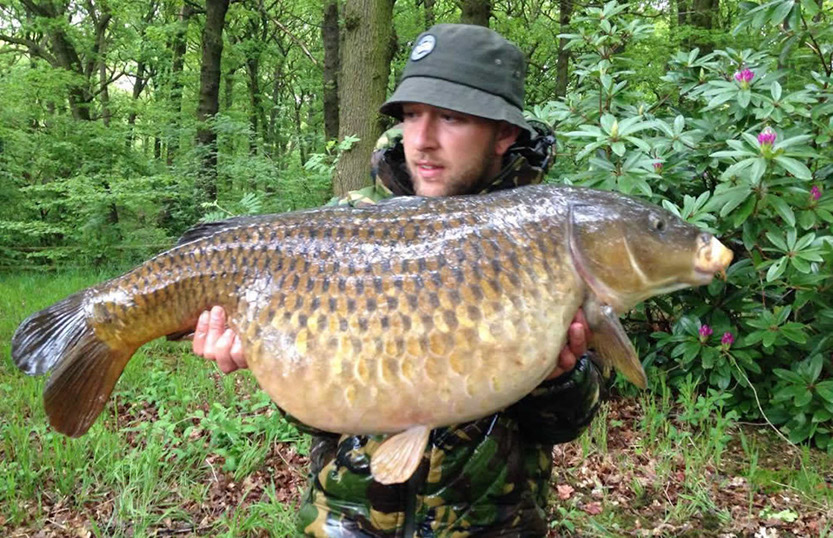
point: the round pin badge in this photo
(423, 47)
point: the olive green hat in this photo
(465, 68)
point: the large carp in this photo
(397, 318)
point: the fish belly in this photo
(429, 343)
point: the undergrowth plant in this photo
(737, 142)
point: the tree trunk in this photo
(329, 35)
(475, 12)
(703, 13)
(138, 87)
(682, 12)
(253, 71)
(98, 58)
(429, 13)
(178, 48)
(364, 76)
(563, 62)
(212, 52)
(275, 138)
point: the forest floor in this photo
(182, 450)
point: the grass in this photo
(164, 455)
(183, 450)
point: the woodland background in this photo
(123, 123)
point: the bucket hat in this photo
(465, 68)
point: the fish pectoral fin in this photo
(614, 347)
(398, 456)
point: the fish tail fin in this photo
(84, 368)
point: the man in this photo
(462, 132)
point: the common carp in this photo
(397, 318)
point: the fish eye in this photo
(657, 223)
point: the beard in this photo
(467, 175)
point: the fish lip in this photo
(712, 257)
(704, 275)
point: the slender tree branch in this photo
(32, 46)
(104, 85)
(296, 40)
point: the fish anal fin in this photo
(79, 388)
(398, 456)
(613, 345)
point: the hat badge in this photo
(423, 47)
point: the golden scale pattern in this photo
(356, 306)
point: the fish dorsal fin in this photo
(205, 229)
(398, 456)
(612, 343)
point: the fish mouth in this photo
(712, 257)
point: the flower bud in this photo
(658, 167)
(744, 77)
(767, 137)
(705, 333)
(815, 193)
(728, 339)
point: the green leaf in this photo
(778, 241)
(794, 167)
(806, 219)
(618, 148)
(825, 390)
(781, 11)
(743, 98)
(757, 171)
(775, 90)
(788, 375)
(787, 142)
(607, 121)
(783, 209)
(814, 367)
(776, 269)
(679, 124)
(803, 397)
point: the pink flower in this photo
(728, 339)
(705, 332)
(767, 137)
(744, 76)
(815, 193)
(658, 167)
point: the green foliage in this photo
(734, 141)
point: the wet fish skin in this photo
(414, 312)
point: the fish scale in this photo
(394, 319)
(410, 361)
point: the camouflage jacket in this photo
(483, 478)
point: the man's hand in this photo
(578, 335)
(213, 340)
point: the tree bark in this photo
(563, 61)
(682, 12)
(209, 104)
(703, 13)
(330, 37)
(475, 12)
(364, 76)
(178, 48)
(253, 70)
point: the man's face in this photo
(448, 152)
